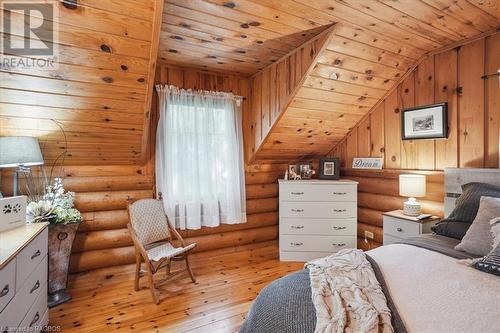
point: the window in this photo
(199, 158)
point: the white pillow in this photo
(478, 240)
(495, 231)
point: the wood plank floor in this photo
(227, 283)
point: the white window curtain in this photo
(199, 157)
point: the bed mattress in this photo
(429, 288)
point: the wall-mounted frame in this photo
(329, 168)
(425, 122)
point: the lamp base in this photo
(412, 207)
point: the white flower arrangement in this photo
(56, 206)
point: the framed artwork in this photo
(329, 168)
(293, 172)
(306, 171)
(425, 122)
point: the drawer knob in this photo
(339, 228)
(36, 254)
(340, 210)
(297, 227)
(4, 291)
(338, 244)
(35, 319)
(296, 244)
(297, 210)
(339, 193)
(297, 193)
(399, 229)
(35, 287)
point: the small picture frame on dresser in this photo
(329, 168)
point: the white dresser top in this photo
(318, 181)
(14, 240)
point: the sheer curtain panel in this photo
(199, 157)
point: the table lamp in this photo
(412, 186)
(19, 152)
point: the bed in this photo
(428, 288)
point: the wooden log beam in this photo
(259, 191)
(387, 203)
(252, 178)
(262, 205)
(104, 220)
(99, 201)
(108, 239)
(95, 259)
(431, 176)
(370, 216)
(106, 183)
(100, 240)
(390, 186)
(253, 221)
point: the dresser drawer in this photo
(339, 210)
(34, 319)
(302, 256)
(388, 239)
(301, 192)
(340, 227)
(400, 228)
(316, 243)
(7, 284)
(30, 257)
(17, 309)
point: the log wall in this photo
(456, 76)
(103, 192)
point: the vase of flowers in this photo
(56, 206)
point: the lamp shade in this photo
(412, 186)
(19, 150)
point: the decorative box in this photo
(12, 212)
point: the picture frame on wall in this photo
(425, 122)
(329, 168)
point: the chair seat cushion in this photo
(166, 250)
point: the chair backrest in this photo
(148, 220)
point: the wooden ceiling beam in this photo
(153, 59)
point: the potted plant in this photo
(56, 206)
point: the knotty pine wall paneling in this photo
(455, 76)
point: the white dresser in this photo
(317, 218)
(23, 278)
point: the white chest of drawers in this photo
(23, 278)
(317, 218)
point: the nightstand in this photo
(398, 226)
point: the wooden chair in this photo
(152, 236)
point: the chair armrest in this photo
(176, 234)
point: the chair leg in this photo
(169, 266)
(189, 269)
(154, 292)
(137, 270)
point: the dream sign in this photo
(367, 163)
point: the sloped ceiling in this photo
(100, 92)
(236, 37)
(374, 44)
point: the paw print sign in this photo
(12, 212)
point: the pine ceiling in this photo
(99, 94)
(236, 37)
